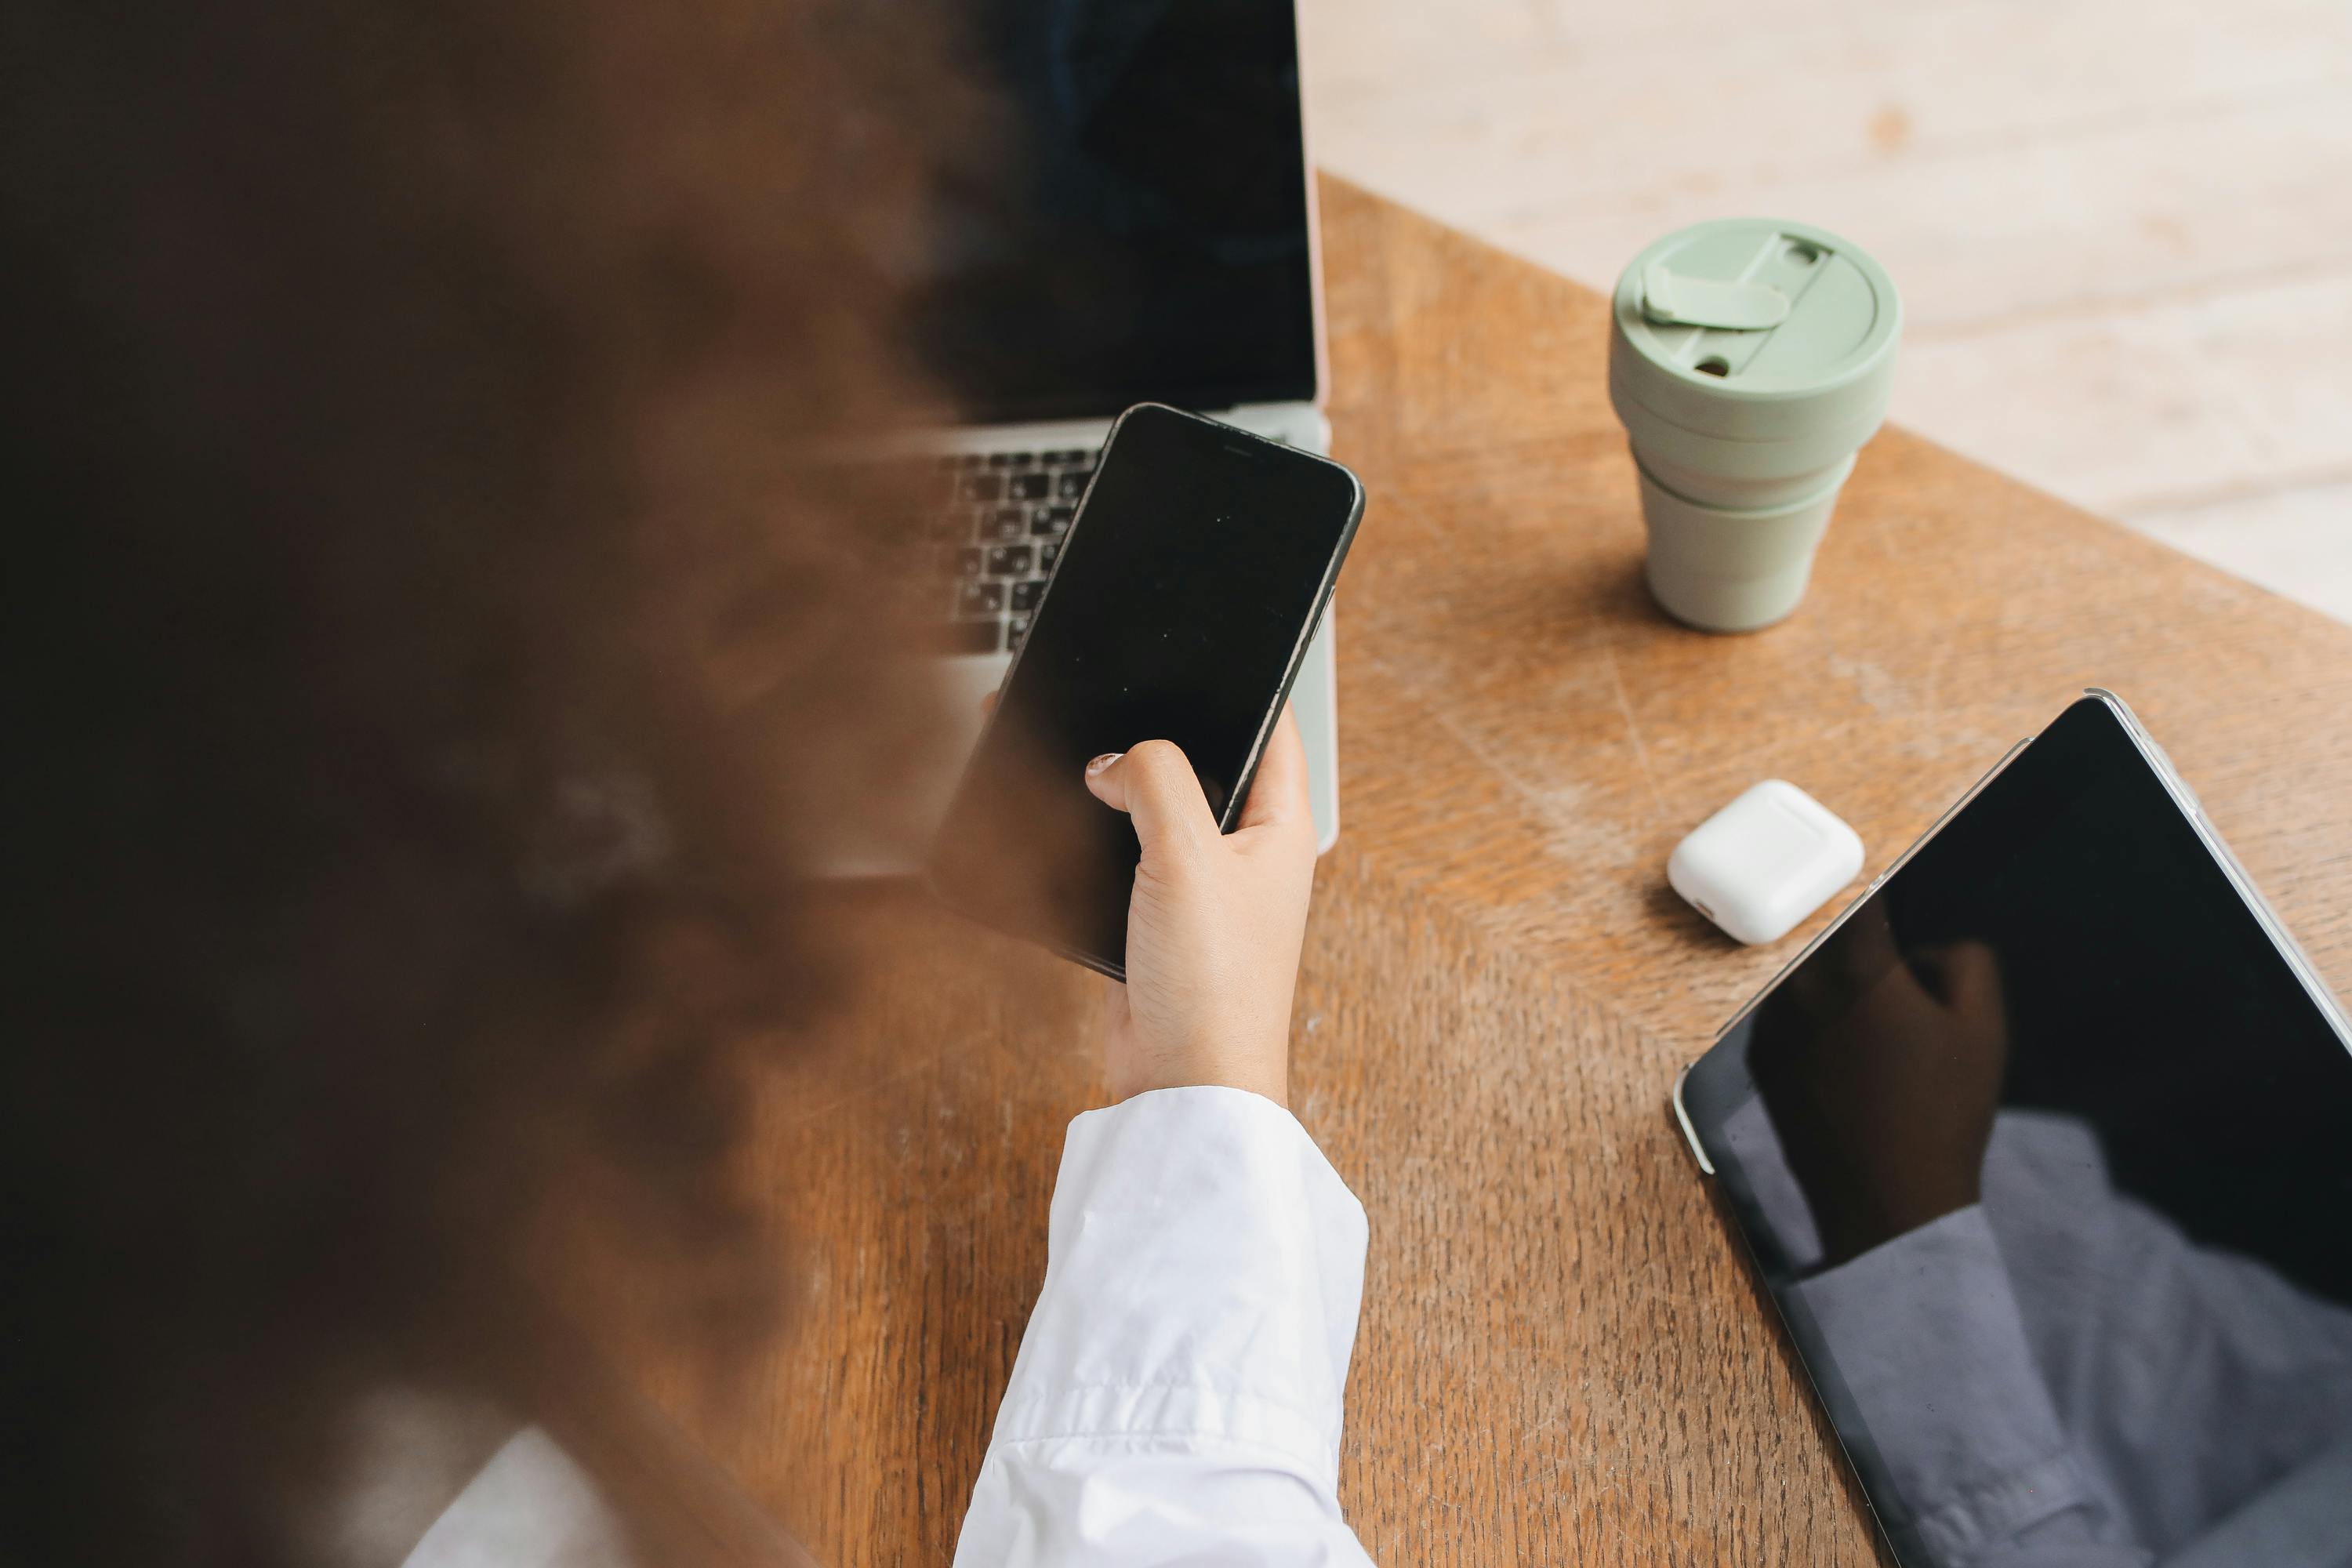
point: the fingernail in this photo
(1099, 763)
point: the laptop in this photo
(1145, 232)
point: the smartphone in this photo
(1198, 564)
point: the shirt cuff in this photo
(1925, 1335)
(1204, 1275)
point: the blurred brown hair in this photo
(422, 642)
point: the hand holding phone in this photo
(1200, 560)
(1213, 926)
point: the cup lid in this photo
(1756, 329)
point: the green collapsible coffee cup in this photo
(1750, 359)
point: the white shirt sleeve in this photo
(1177, 1395)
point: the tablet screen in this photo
(2047, 1157)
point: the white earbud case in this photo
(1766, 861)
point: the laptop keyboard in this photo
(997, 534)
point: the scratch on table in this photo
(1633, 730)
(1529, 794)
(896, 1074)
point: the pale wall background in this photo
(2123, 228)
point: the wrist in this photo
(1884, 1209)
(1257, 1071)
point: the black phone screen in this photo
(1198, 564)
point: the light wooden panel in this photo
(1355, 46)
(1585, 121)
(2297, 543)
(2181, 401)
(2121, 213)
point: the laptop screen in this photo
(1137, 228)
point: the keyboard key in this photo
(1016, 632)
(1071, 485)
(980, 599)
(1024, 596)
(983, 487)
(1074, 455)
(1051, 522)
(1000, 460)
(1009, 561)
(1030, 486)
(970, 636)
(1004, 525)
(964, 562)
(1046, 555)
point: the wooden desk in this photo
(1561, 1360)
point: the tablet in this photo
(2043, 1151)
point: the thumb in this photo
(1155, 786)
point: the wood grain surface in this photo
(1561, 1358)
